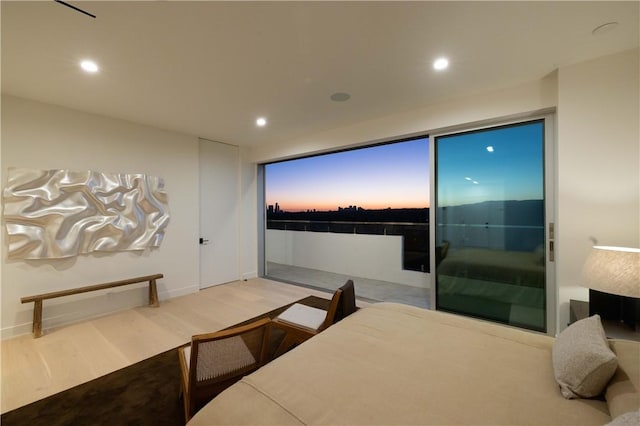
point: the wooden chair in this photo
(301, 322)
(347, 304)
(215, 361)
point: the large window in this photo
(490, 224)
(361, 213)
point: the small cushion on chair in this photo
(304, 316)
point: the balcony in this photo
(385, 260)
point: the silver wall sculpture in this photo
(60, 213)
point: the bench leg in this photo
(153, 294)
(37, 319)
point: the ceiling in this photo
(209, 69)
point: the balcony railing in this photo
(415, 254)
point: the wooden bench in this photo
(37, 308)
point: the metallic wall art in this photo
(60, 213)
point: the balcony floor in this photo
(367, 289)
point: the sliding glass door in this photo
(491, 241)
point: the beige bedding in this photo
(392, 364)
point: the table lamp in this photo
(612, 275)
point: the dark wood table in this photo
(277, 334)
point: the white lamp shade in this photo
(614, 270)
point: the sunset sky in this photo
(504, 163)
(393, 175)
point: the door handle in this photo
(203, 241)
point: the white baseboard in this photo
(164, 295)
(16, 330)
(249, 275)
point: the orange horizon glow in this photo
(297, 207)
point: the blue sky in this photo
(468, 172)
(392, 175)
(396, 175)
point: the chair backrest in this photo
(227, 355)
(347, 304)
(331, 312)
(342, 303)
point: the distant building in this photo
(271, 209)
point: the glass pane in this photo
(490, 224)
(360, 214)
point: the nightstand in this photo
(579, 309)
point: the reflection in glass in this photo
(490, 255)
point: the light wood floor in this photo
(33, 369)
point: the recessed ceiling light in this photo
(340, 97)
(89, 66)
(261, 122)
(604, 28)
(440, 64)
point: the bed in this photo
(391, 364)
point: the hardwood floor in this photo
(33, 369)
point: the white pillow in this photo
(583, 363)
(628, 419)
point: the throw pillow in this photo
(583, 363)
(628, 419)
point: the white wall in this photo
(598, 164)
(41, 136)
(378, 257)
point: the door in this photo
(219, 222)
(492, 201)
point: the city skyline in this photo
(394, 175)
(275, 208)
